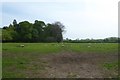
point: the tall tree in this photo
(25, 31)
(58, 29)
(38, 27)
(54, 32)
(14, 22)
(49, 33)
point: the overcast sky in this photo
(82, 18)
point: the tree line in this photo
(106, 40)
(33, 32)
(40, 32)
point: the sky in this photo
(82, 18)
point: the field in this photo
(57, 60)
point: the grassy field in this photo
(42, 59)
(54, 47)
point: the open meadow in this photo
(59, 60)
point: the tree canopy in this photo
(33, 32)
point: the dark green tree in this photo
(58, 28)
(25, 31)
(38, 28)
(36, 32)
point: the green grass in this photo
(93, 47)
(16, 59)
(111, 65)
(31, 48)
(55, 47)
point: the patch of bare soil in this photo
(75, 65)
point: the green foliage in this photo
(25, 31)
(36, 32)
(6, 35)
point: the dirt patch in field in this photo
(74, 65)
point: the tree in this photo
(6, 35)
(25, 31)
(58, 28)
(36, 32)
(14, 22)
(38, 27)
(15, 25)
(35, 35)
